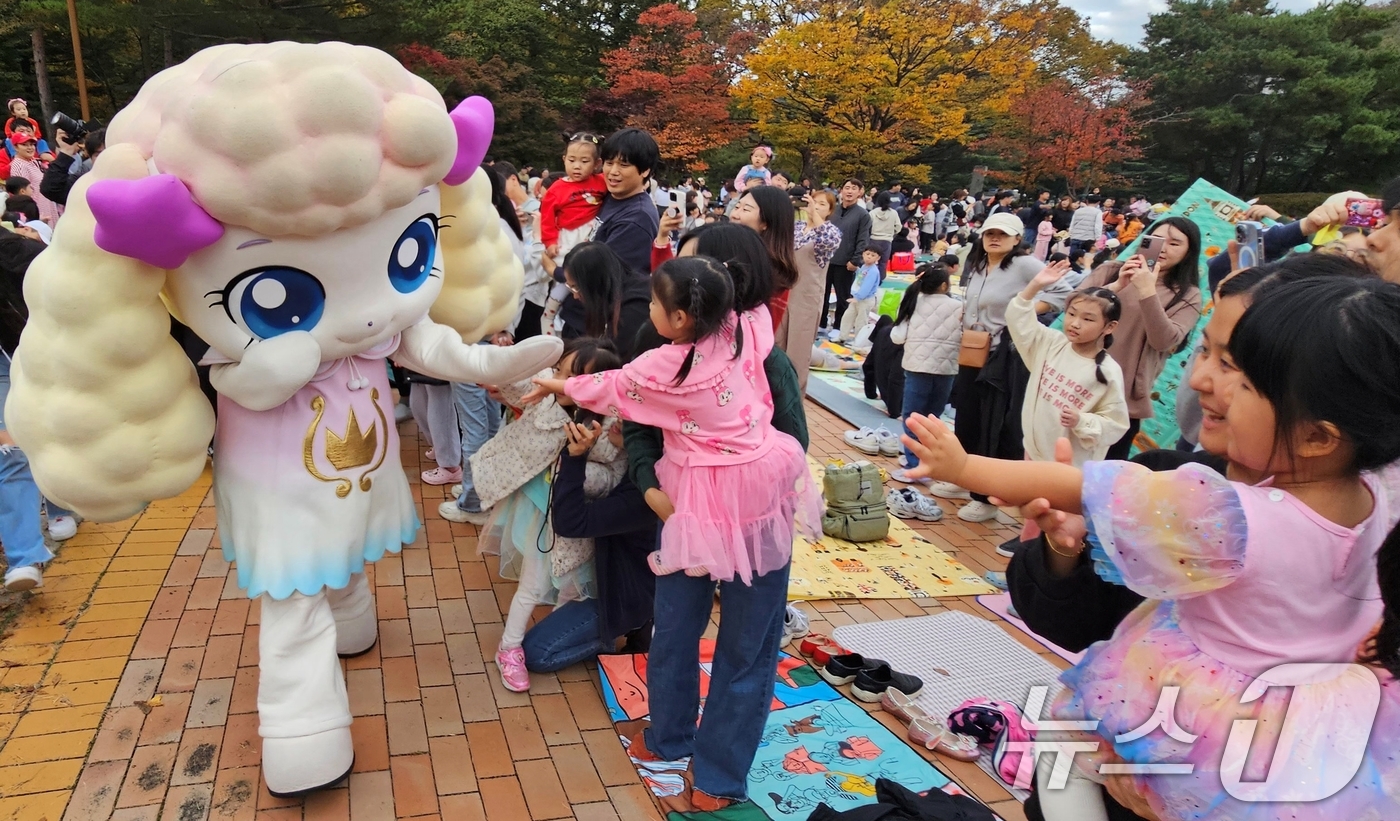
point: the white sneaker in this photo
(903, 476)
(874, 441)
(63, 528)
(19, 579)
(948, 490)
(402, 413)
(795, 625)
(449, 511)
(908, 503)
(455, 490)
(976, 511)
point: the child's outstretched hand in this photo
(1069, 417)
(1051, 273)
(542, 389)
(582, 437)
(941, 455)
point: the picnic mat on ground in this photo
(817, 746)
(999, 603)
(959, 656)
(905, 565)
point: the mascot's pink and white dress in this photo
(311, 211)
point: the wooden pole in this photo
(78, 57)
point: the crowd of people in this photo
(664, 454)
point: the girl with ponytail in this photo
(1075, 385)
(735, 481)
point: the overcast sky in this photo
(1122, 20)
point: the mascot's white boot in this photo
(356, 627)
(350, 227)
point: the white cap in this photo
(1006, 223)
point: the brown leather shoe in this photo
(637, 748)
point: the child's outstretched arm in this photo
(941, 457)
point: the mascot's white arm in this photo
(272, 371)
(438, 351)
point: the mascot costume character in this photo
(310, 211)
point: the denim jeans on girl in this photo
(21, 532)
(564, 637)
(478, 418)
(927, 394)
(741, 679)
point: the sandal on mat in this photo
(901, 706)
(935, 735)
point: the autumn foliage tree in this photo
(670, 81)
(860, 87)
(526, 125)
(1060, 131)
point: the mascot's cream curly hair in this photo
(104, 402)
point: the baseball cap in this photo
(1006, 223)
(20, 138)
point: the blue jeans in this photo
(20, 530)
(566, 636)
(478, 418)
(925, 393)
(741, 679)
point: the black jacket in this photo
(634, 316)
(623, 530)
(57, 182)
(854, 223)
(884, 368)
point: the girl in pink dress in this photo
(739, 486)
(1230, 693)
(1044, 233)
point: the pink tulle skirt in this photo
(738, 520)
(1120, 681)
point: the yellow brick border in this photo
(61, 659)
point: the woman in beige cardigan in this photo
(815, 240)
(1161, 306)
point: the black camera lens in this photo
(75, 129)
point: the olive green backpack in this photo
(855, 503)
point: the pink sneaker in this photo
(442, 476)
(513, 673)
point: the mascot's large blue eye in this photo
(411, 261)
(273, 301)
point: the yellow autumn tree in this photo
(860, 87)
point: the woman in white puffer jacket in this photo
(929, 326)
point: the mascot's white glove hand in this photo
(271, 372)
(438, 351)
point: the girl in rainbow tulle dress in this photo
(1238, 672)
(739, 486)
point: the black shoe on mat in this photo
(843, 669)
(871, 683)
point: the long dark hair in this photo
(775, 210)
(504, 207)
(1327, 349)
(928, 279)
(701, 287)
(1186, 274)
(742, 251)
(599, 274)
(977, 258)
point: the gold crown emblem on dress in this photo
(355, 448)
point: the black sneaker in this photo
(872, 682)
(844, 668)
(1009, 547)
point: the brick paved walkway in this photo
(128, 687)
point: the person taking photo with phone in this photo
(1161, 299)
